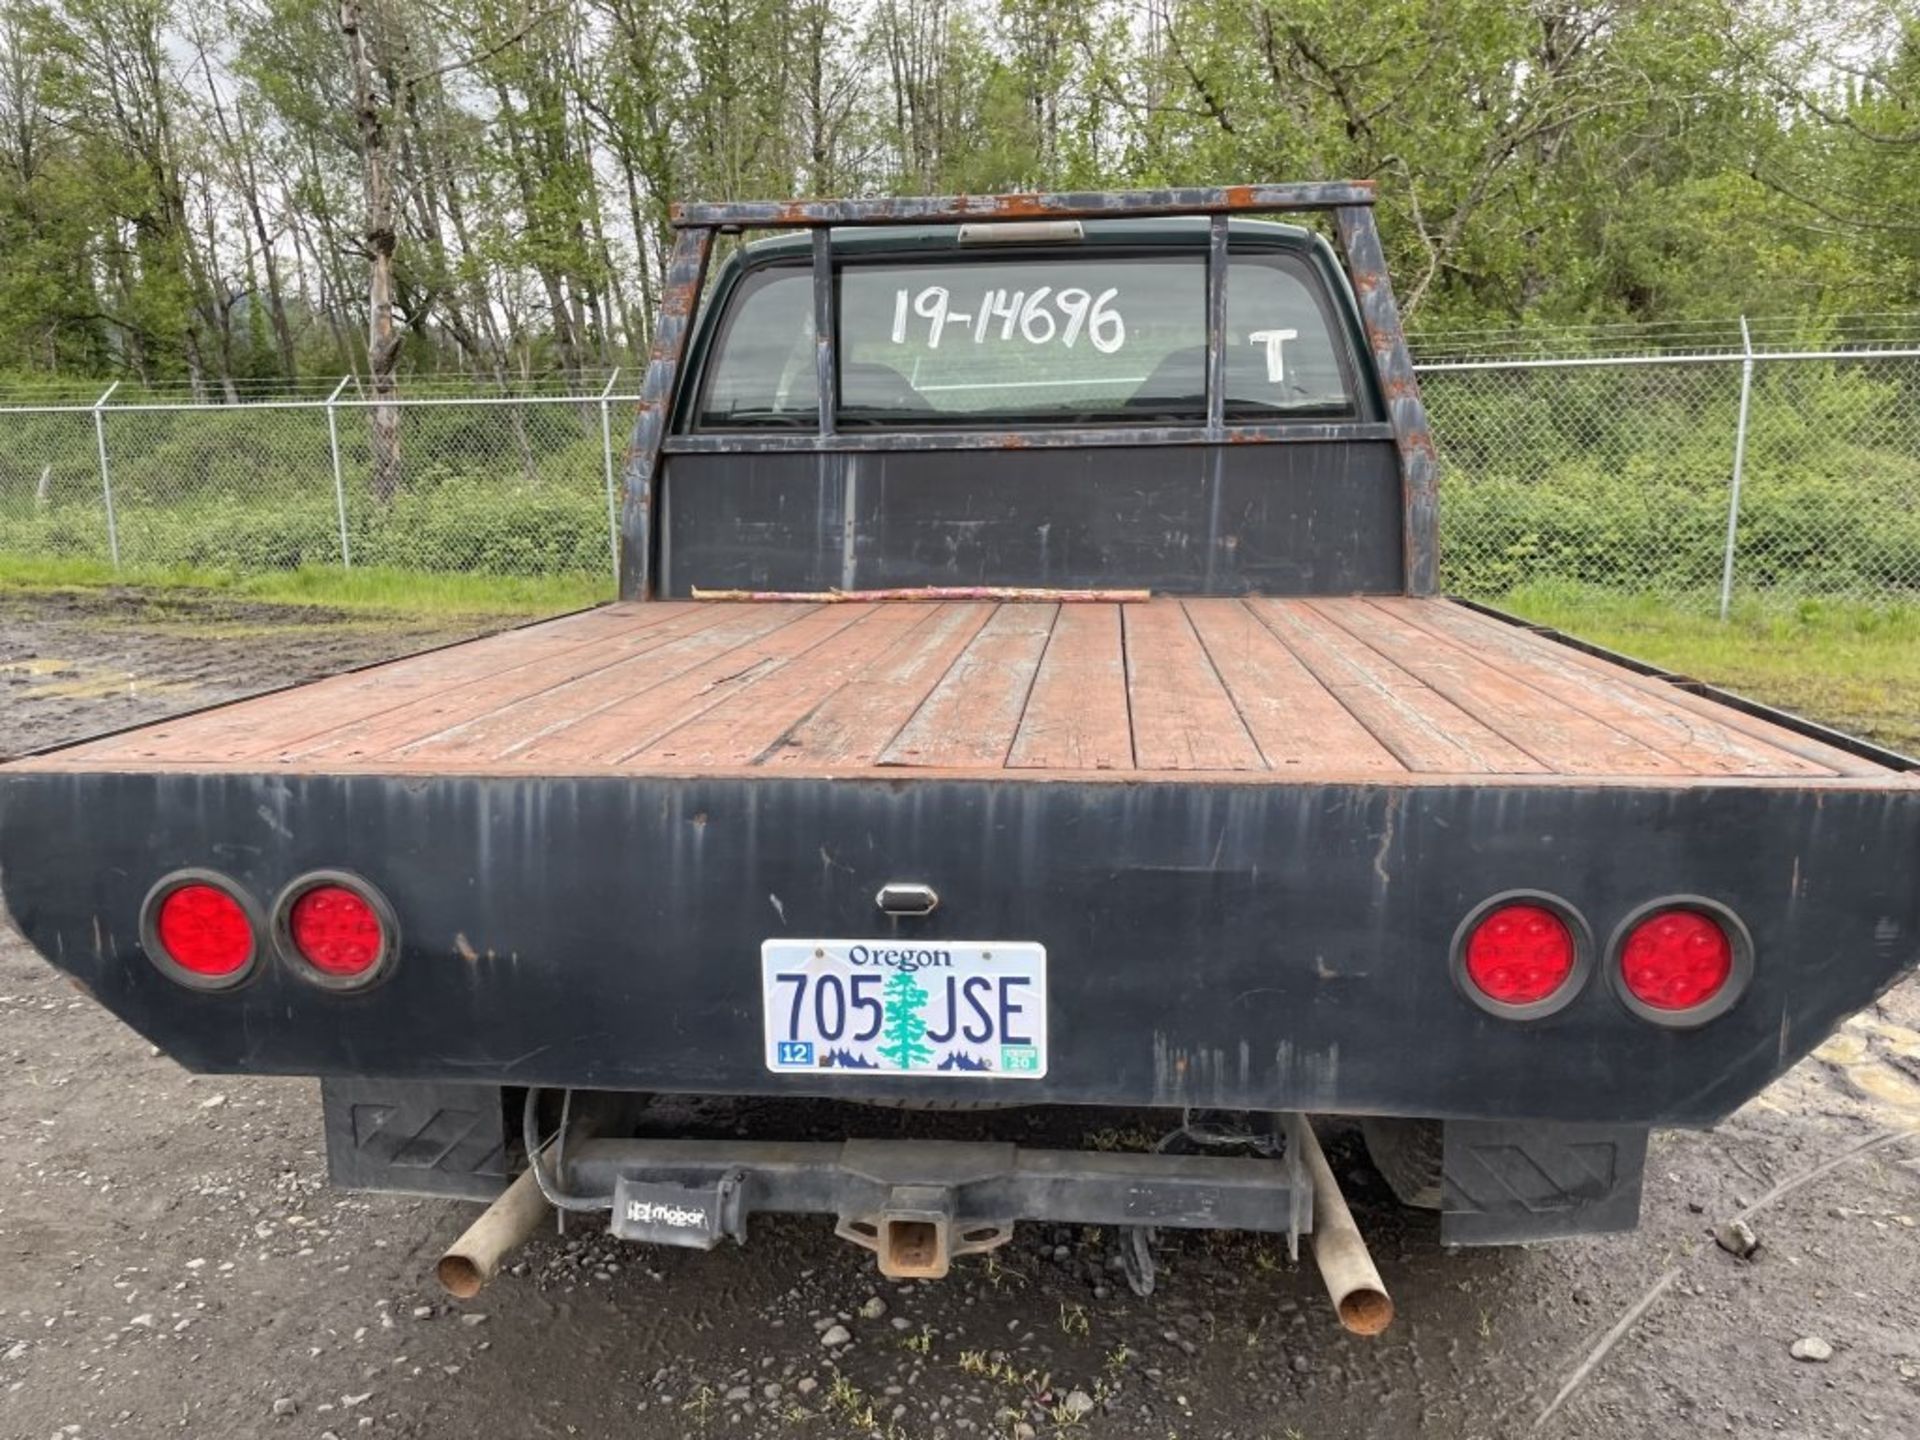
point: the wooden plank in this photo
(1708, 747)
(740, 729)
(500, 731)
(1568, 740)
(273, 721)
(852, 727)
(1425, 731)
(625, 728)
(1837, 760)
(971, 716)
(1183, 717)
(1298, 725)
(489, 717)
(1076, 716)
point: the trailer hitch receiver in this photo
(914, 1236)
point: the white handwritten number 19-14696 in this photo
(1020, 312)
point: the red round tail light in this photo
(1522, 955)
(199, 931)
(338, 929)
(1677, 959)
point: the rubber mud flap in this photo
(415, 1138)
(1506, 1182)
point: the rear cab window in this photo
(1076, 337)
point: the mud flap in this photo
(1506, 1182)
(415, 1138)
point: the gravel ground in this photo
(172, 1261)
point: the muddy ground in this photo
(173, 1263)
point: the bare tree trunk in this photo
(269, 259)
(383, 341)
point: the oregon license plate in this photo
(882, 1007)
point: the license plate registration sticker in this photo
(945, 1007)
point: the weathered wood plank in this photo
(1569, 741)
(270, 722)
(1805, 746)
(1297, 723)
(1076, 717)
(1427, 732)
(628, 726)
(1704, 744)
(1183, 717)
(973, 713)
(739, 730)
(492, 718)
(852, 727)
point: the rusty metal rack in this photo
(1350, 203)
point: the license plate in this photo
(880, 1007)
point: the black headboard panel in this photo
(1296, 519)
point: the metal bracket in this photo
(694, 1217)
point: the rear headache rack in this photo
(1351, 204)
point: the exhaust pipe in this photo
(476, 1257)
(1359, 1296)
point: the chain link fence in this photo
(516, 485)
(1703, 477)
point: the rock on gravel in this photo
(1736, 1237)
(873, 1309)
(1812, 1349)
(835, 1336)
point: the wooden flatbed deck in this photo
(1315, 689)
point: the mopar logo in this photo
(678, 1217)
(908, 960)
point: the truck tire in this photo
(1408, 1154)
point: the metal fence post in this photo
(606, 451)
(1739, 467)
(339, 482)
(106, 476)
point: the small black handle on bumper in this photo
(897, 898)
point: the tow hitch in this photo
(919, 1204)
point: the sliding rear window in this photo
(1030, 340)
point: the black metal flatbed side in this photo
(1265, 946)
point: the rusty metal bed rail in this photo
(1350, 202)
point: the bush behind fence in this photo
(1617, 474)
(1623, 475)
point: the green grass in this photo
(1850, 665)
(373, 589)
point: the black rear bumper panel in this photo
(1258, 946)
